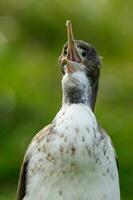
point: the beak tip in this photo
(68, 22)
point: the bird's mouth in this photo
(72, 54)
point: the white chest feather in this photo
(73, 161)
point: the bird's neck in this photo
(87, 96)
(76, 96)
(95, 84)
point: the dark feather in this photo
(22, 180)
(117, 163)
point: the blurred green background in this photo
(32, 34)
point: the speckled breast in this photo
(67, 160)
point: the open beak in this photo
(72, 53)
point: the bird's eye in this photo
(65, 52)
(84, 54)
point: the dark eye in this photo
(84, 54)
(65, 52)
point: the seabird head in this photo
(80, 65)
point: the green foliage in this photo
(32, 34)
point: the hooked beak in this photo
(72, 54)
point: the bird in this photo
(72, 158)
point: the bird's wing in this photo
(22, 179)
(21, 190)
(104, 134)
